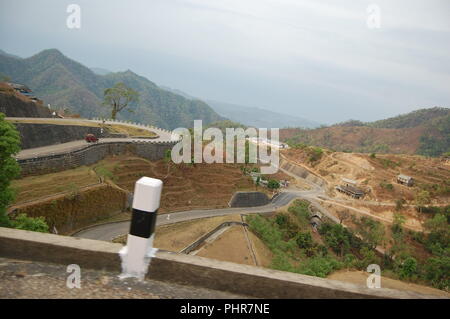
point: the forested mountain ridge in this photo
(411, 119)
(63, 82)
(424, 132)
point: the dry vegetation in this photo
(404, 140)
(35, 187)
(77, 209)
(185, 186)
(175, 237)
(231, 246)
(377, 174)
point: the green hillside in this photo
(63, 82)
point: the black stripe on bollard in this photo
(143, 223)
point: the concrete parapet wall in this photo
(302, 172)
(185, 269)
(91, 154)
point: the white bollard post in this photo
(139, 250)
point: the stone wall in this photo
(78, 209)
(37, 135)
(12, 106)
(91, 154)
(302, 172)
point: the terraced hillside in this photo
(185, 186)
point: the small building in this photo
(348, 181)
(23, 89)
(315, 219)
(405, 180)
(350, 191)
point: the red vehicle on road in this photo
(91, 138)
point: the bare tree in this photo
(343, 215)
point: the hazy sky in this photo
(315, 59)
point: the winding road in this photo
(163, 136)
(109, 231)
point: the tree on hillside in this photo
(372, 232)
(273, 184)
(9, 168)
(343, 215)
(119, 97)
(422, 198)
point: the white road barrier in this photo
(136, 255)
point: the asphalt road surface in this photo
(109, 231)
(163, 136)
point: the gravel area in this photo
(35, 280)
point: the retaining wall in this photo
(36, 135)
(13, 106)
(91, 154)
(196, 244)
(79, 209)
(302, 172)
(185, 269)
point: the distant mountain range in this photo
(63, 82)
(258, 117)
(425, 132)
(252, 116)
(101, 71)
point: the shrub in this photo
(399, 204)
(304, 240)
(281, 219)
(38, 224)
(437, 270)
(319, 266)
(406, 268)
(103, 172)
(368, 257)
(387, 186)
(273, 184)
(315, 153)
